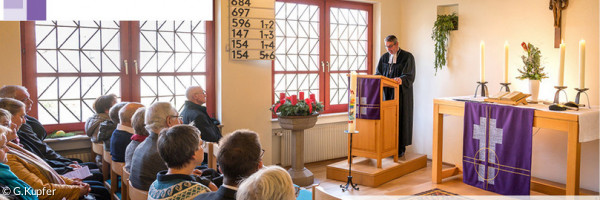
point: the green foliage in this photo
(440, 35)
(300, 109)
(532, 69)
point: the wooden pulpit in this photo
(376, 119)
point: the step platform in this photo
(365, 171)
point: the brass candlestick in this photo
(579, 92)
(557, 94)
(484, 89)
(505, 86)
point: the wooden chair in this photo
(97, 149)
(125, 184)
(320, 194)
(106, 161)
(213, 149)
(136, 194)
(115, 172)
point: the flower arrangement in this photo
(532, 69)
(294, 106)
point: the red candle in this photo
(301, 95)
(281, 95)
(312, 98)
(294, 100)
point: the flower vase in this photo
(297, 124)
(534, 89)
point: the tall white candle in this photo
(582, 64)
(561, 69)
(506, 62)
(352, 103)
(482, 61)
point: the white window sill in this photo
(322, 119)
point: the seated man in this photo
(31, 136)
(147, 162)
(193, 111)
(240, 155)
(180, 148)
(109, 126)
(121, 137)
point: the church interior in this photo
(311, 48)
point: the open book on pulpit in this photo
(511, 98)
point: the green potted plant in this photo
(440, 35)
(532, 69)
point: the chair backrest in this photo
(320, 194)
(125, 176)
(98, 148)
(117, 167)
(136, 194)
(107, 157)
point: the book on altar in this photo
(509, 96)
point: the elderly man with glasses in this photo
(193, 111)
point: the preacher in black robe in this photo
(400, 67)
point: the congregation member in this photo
(399, 64)
(140, 134)
(271, 182)
(180, 147)
(30, 136)
(92, 126)
(13, 187)
(147, 162)
(122, 135)
(193, 111)
(108, 127)
(240, 155)
(34, 171)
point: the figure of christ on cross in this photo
(557, 6)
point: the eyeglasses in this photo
(176, 116)
(262, 153)
(390, 46)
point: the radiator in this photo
(322, 142)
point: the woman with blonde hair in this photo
(271, 182)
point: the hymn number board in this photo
(252, 30)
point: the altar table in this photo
(562, 121)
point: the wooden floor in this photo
(416, 182)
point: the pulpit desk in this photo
(542, 119)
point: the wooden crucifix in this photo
(557, 6)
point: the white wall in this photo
(496, 22)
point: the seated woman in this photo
(271, 182)
(9, 182)
(140, 134)
(180, 148)
(35, 171)
(92, 126)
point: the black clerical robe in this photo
(404, 68)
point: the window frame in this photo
(129, 81)
(324, 50)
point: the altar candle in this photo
(301, 95)
(313, 98)
(561, 69)
(482, 62)
(352, 103)
(506, 62)
(581, 64)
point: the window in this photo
(67, 65)
(318, 43)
